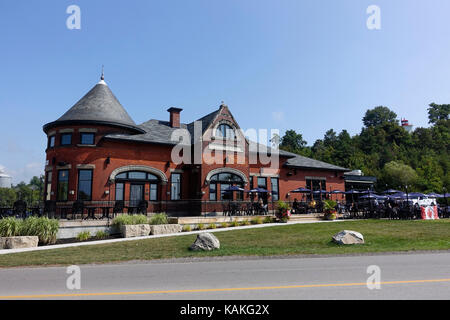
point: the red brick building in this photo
(97, 153)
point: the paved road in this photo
(403, 276)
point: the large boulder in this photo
(135, 230)
(206, 242)
(19, 242)
(165, 228)
(348, 237)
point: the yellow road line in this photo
(215, 290)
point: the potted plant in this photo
(329, 208)
(283, 212)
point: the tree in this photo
(397, 174)
(292, 142)
(438, 112)
(378, 116)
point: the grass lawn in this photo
(380, 235)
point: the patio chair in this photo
(20, 208)
(119, 206)
(142, 207)
(49, 208)
(77, 208)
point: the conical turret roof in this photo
(98, 106)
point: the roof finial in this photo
(103, 74)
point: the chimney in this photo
(174, 117)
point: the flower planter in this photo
(135, 230)
(19, 242)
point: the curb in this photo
(90, 243)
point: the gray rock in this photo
(19, 242)
(165, 228)
(205, 241)
(348, 237)
(135, 230)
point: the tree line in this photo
(31, 192)
(383, 148)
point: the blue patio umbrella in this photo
(301, 190)
(398, 195)
(337, 192)
(234, 188)
(416, 195)
(391, 191)
(259, 190)
(435, 195)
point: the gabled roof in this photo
(158, 131)
(100, 106)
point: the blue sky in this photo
(284, 64)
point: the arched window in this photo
(221, 182)
(137, 181)
(225, 131)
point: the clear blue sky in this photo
(286, 64)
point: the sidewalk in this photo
(89, 243)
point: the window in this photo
(262, 182)
(153, 192)
(225, 195)
(316, 185)
(225, 131)
(49, 185)
(87, 138)
(51, 142)
(85, 185)
(66, 139)
(213, 192)
(63, 185)
(136, 175)
(119, 191)
(251, 182)
(275, 190)
(175, 190)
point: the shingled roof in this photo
(98, 106)
(304, 162)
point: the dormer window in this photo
(225, 131)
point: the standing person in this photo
(295, 206)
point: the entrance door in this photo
(136, 194)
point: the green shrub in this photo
(187, 228)
(212, 226)
(160, 218)
(44, 228)
(200, 226)
(257, 220)
(100, 234)
(126, 219)
(10, 227)
(268, 220)
(83, 236)
(233, 223)
(224, 224)
(244, 223)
